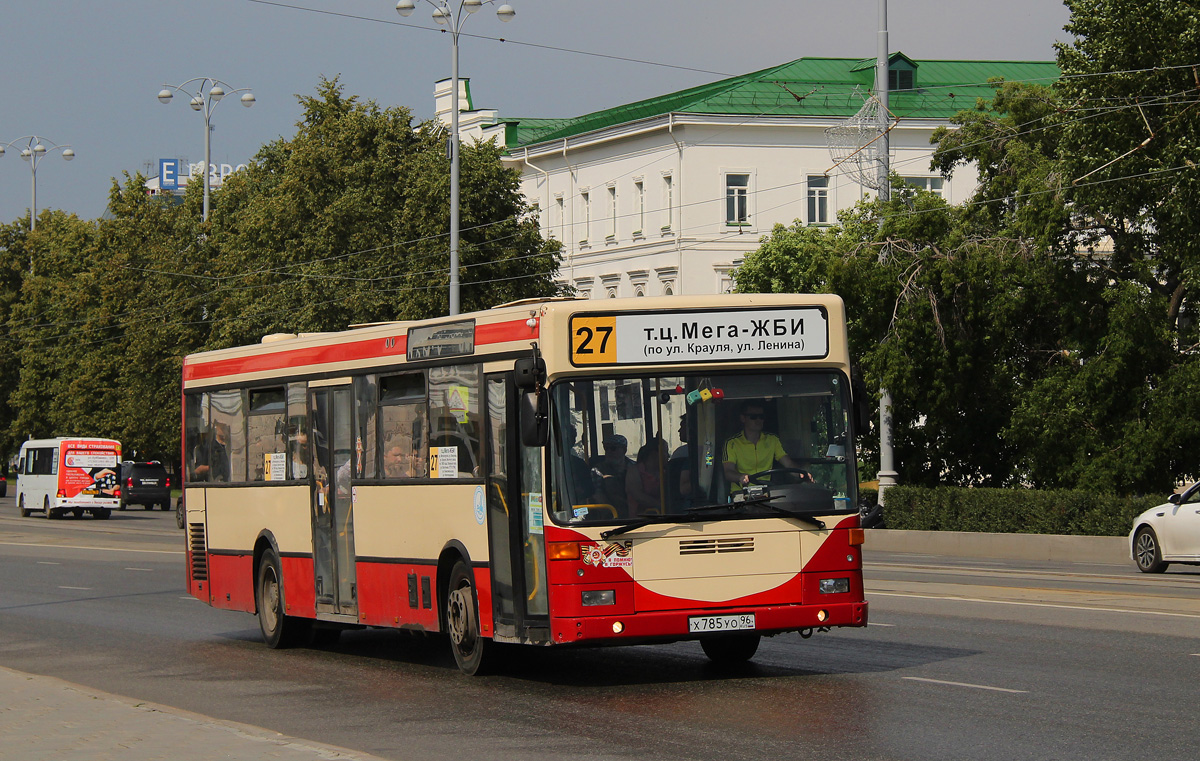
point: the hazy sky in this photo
(86, 73)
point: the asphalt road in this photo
(963, 659)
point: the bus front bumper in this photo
(671, 625)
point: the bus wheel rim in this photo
(459, 617)
(270, 599)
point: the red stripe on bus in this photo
(494, 333)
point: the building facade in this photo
(667, 195)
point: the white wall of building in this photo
(640, 208)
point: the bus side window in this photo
(402, 425)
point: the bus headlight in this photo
(834, 586)
(599, 597)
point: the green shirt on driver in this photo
(753, 457)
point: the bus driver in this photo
(753, 450)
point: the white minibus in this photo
(69, 474)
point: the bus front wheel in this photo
(278, 629)
(728, 649)
(21, 504)
(462, 621)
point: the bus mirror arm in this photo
(534, 420)
(530, 372)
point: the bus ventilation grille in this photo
(199, 556)
(716, 546)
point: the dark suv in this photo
(146, 484)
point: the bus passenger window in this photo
(227, 445)
(402, 425)
(266, 435)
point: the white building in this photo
(667, 195)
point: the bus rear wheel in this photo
(46, 506)
(278, 629)
(728, 649)
(470, 648)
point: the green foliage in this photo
(1013, 511)
(1045, 332)
(343, 223)
(346, 222)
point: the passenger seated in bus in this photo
(679, 471)
(609, 470)
(211, 456)
(299, 447)
(579, 473)
(753, 450)
(643, 482)
(397, 463)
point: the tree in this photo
(954, 325)
(345, 223)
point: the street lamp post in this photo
(453, 15)
(207, 95)
(35, 149)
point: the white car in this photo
(1169, 533)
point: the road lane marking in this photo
(963, 684)
(84, 589)
(876, 623)
(954, 598)
(47, 562)
(79, 547)
(139, 569)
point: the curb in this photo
(1109, 550)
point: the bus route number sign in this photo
(700, 336)
(594, 340)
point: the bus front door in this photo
(332, 504)
(514, 502)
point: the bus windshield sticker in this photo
(274, 466)
(455, 339)
(443, 462)
(611, 555)
(457, 399)
(754, 334)
(536, 521)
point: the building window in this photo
(900, 79)
(668, 202)
(932, 184)
(737, 199)
(612, 214)
(560, 218)
(586, 215)
(639, 190)
(818, 199)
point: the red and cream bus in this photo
(558, 472)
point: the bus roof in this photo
(508, 329)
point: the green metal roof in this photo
(804, 87)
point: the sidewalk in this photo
(46, 719)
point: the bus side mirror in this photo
(535, 427)
(529, 372)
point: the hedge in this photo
(1012, 511)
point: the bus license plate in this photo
(739, 622)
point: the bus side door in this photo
(514, 504)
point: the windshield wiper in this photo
(701, 513)
(764, 501)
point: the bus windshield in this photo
(631, 448)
